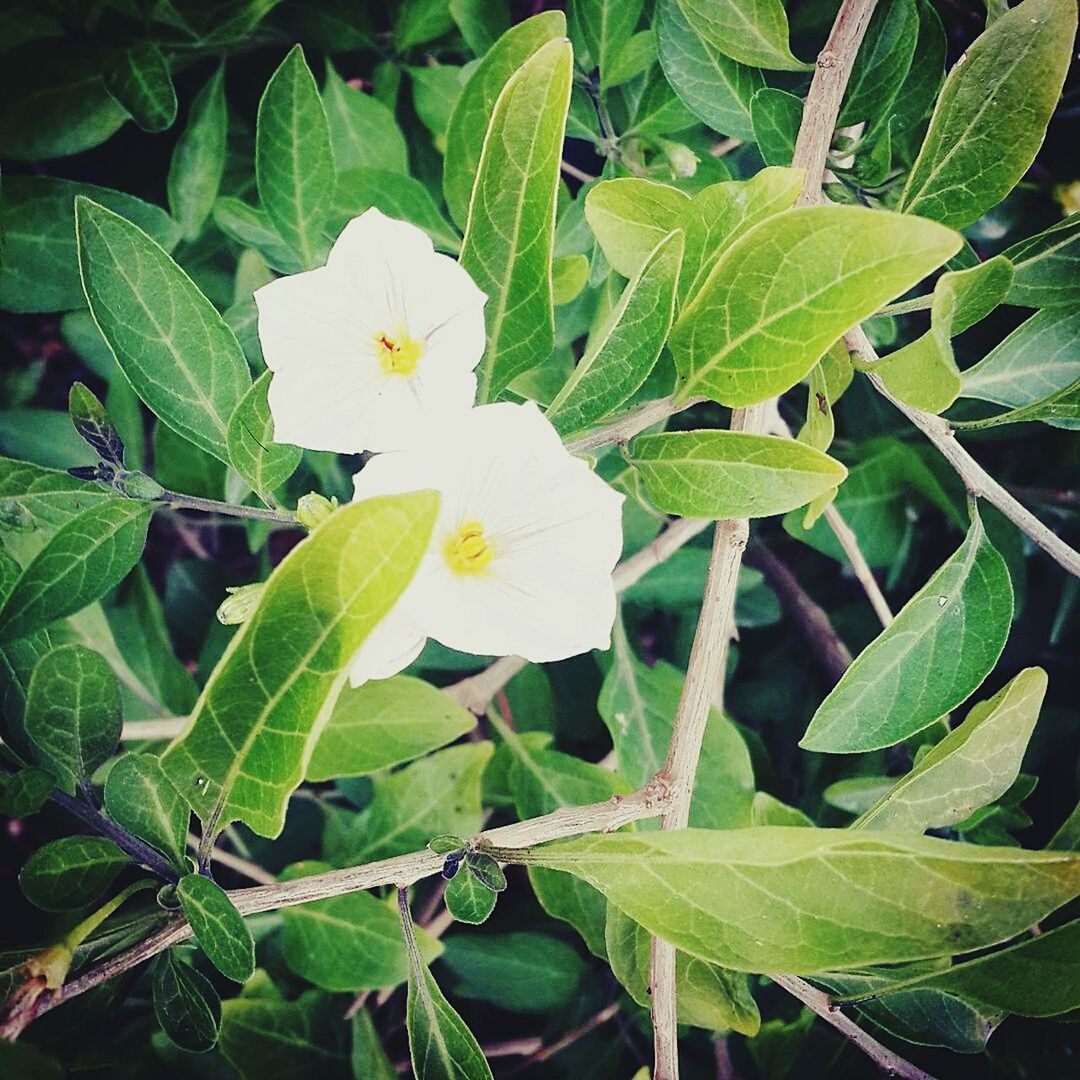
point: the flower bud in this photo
(313, 509)
(681, 158)
(240, 604)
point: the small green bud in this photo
(313, 509)
(137, 485)
(240, 604)
(681, 158)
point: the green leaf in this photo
(37, 220)
(363, 131)
(719, 214)
(465, 134)
(731, 474)
(1035, 977)
(249, 739)
(509, 237)
(24, 792)
(619, 360)
(717, 89)
(638, 705)
(932, 656)
(754, 32)
(606, 26)
(440, 1045)
(1046, 267)
(73, 714)
(972, 766)
(198, 159)
(481, 22)
(55, 101)
(569, 276)
(94, 426)
(924, 373)
(630, 217)
(706, 995)
(42, 498)
(294, 166)
(250, 227)
(170, 342)
(523, 971)
(420, 21)
(266, 1037)
(439, 793)
(384, 723)
(829, 267)
(468, 899)
(1036, 361)
(882, 62)
(1062, 409)
(186, 1004)
(991, 116)
(141, 798)
(776, 116)
(369, 1060)
(140, 80)
(218, 927)
(85, 558)
(347, 943)
(397, 196)
(70, 873)
(263, 463)
(768, 898)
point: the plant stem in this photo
(630, 424)
(976, 479)
(903, 307)
(892, 1064)
(176, 501)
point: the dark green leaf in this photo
(71, 873)
(139, 796)
(140, 80)
(218, 927)
(776, 116)
(1046, 267)
(198, 159)
(94, 426)
(185, 1003)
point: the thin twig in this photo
(976, 479)
(882, 1056)
(544, 1052)
(165, 727)
(175, 501)
(903, 307)
(578, 174)
(849, 543)
(630, 424)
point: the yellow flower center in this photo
(398, 355)
(466, 551)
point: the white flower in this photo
(521, 556)
(371, 349)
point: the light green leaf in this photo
(186, 1004)
(719, 214)
(469, 900)
(347, 943)
(717, 89)
(363, 131)
(140, 81)
(1036, 361)
(39, 498)
(630, 217)
(438, 794)
(706, 995)
(924, 373)
(523, 972)
(170, 342)
(972, 766)
(1061, 410)
(440, 1045)
(198, 159)
(218, 927)
(754, 32)
(1046, 267)
(86, 557)
(141, 798)
(1035, 977)
(250, 227)
(384, 723)
(638, 705)
(620, 358)
(465, 134)
(934, 654)
(731, 474)
(569, 276)
(606, 26)
(769, 810)
(249, 739)
(510, 233)
(991, 116)
(828, 267)
(73, 714)
(766, 899)
(70, 873)
(262, 462)
(37, 221)
(397, 196)
(481, 22)
(294, 166)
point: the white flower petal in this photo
(391, 647)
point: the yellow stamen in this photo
(398, 355)
(466, 551)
